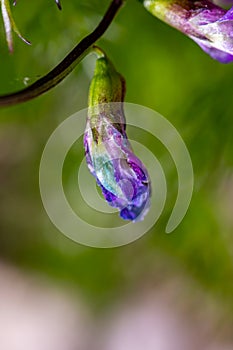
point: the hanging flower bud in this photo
(209, 25)
(9, 24)
(123, 178)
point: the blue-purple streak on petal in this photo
(216, 54)
(123, 178)
(228, 16)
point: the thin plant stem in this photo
(57, 74)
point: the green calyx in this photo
(106, 97)
(107, 84)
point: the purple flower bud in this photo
(123, 178)
(209, 25)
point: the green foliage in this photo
(165, 71)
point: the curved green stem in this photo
(56, 75)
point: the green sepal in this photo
(107, 84)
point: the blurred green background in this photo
(165, 71)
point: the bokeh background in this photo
(163, 292)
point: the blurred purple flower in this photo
(209, 25)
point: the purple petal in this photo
(228, 16)
(216, 54)
(122, 177)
